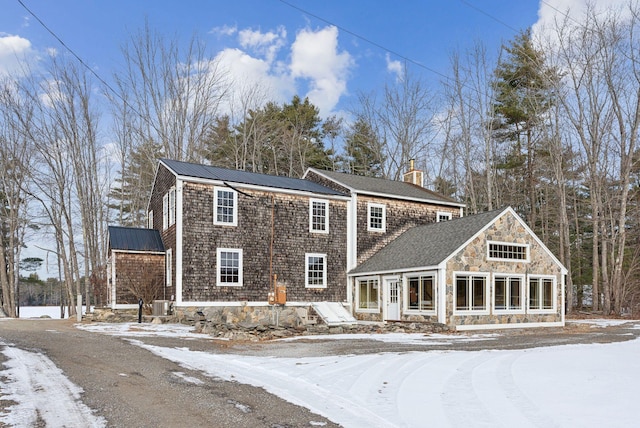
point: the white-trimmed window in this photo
(150, 220)
(168, 268)
(443, 216)
(315, 270)
(229, 267)
(376, 217)
(319, 216)
(471, 293)
(421, 292)
(225, 206)
(507, 251)
(165, 211)
(368, 290)
(172, 206)
(542, 293)
(508, 293)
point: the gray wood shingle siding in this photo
(292, 239)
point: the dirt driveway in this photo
(129, 386)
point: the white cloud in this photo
(225, 30)
(315, 57)
(551, 11)
(267, 44)
(394, 67)
(245, 72)
(14, 51)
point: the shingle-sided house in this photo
(228, 233)
(482, 271)
(385, 250)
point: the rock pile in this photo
(257, 324)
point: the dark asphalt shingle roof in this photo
(427, 245)
(398, 189)
(134, 239)
(187, 169)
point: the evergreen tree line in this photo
(546, 125)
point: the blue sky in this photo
(295, 52)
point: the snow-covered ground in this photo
(44, 311)
(565, 386)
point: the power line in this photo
(369, 41)
(77, 57)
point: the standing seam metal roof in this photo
(135, 239)
(399, 189)
(426, 245)
(208, 172)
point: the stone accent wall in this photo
(400, 216)
(292, 239)
(137, 270)
(474, 259)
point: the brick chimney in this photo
(414, 176)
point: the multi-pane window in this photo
(229, 267)
(368, 293)
(225, 207)
(168, 276)
(169, 208)
(506, 251)
(376, 217)
(316, 270)
(172, 206)
(150, 220)
(421, 292)
(443, 217)
(541, 292)
(471, 292)
(508, 292)
(318, 216)
(165, 211)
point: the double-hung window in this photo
(471, 292)
(168, 268)
(319, 216)
(165, 211)
(316, 270)
(368, 294)
(172, 206)
(376, 217)
(169, 208)
(421, 292)
(508, 293)
(542, 293)
(229, 267)
(225, 206)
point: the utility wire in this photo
(369, 41)
(76, 56)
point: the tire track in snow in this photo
(460, 400)
(529, 411)
(40, 389)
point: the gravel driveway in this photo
(129, 386)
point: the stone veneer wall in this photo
(253, 235)
(474, 259)
(400, 216)
(136, 268)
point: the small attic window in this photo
(508, 251)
